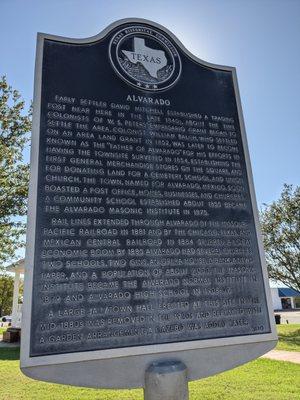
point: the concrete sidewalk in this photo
(282, 355)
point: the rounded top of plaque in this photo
(143, 53)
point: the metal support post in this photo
(166, 380)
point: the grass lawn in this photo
(289, 337)
(260, 379)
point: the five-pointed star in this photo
(147, 86)
(138, 83)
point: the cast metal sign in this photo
(143, 241)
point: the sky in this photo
(258, 37)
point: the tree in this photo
(15, 124)
(6, 294)
(280, 222)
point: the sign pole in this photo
(166, 380)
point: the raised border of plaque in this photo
(125, 367)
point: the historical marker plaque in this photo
(143, 235)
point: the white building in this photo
(285, 298)
(18, 269)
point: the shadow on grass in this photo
(10, 353)
(289, 337)
(288, 333)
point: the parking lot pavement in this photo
(290, 317)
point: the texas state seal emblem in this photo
(145, 58)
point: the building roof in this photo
(17, 266)
(287, 292)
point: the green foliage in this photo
(15, 124)
(280, 222)
(6, 294)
